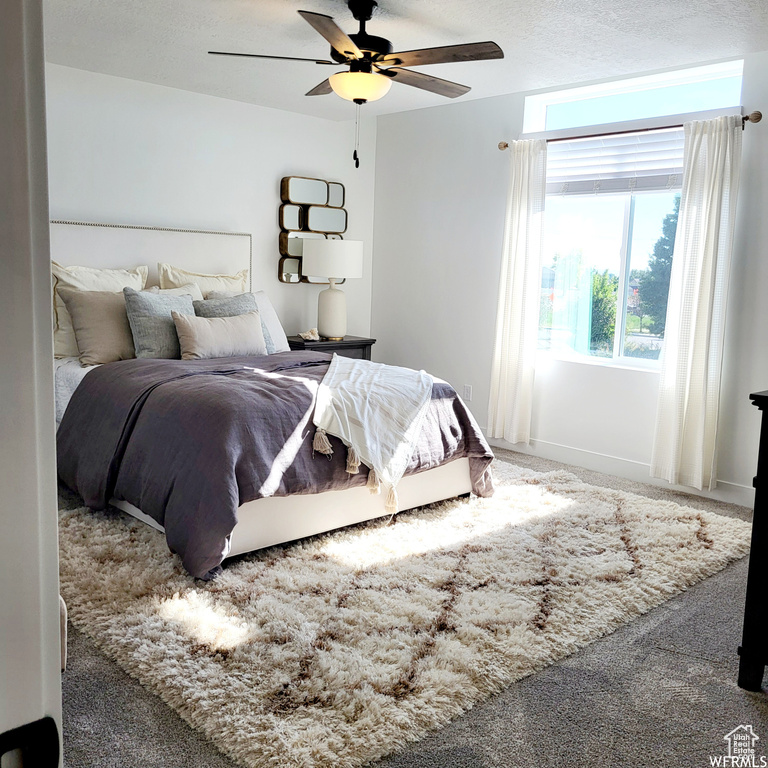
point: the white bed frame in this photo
(263, 522)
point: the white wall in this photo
(441, 186)
(125, 152)
(30, 660)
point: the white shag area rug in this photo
(342, 648)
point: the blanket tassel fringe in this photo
(373, 484)
(353, 461)
(392, 500)
(321, 443)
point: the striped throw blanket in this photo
(377, 411)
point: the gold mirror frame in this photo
(291, 217)
(323, 218)
(303, 193)
(336, 194)
(303, 190)
(289, 269)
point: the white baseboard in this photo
(733, 493)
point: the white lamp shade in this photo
(365, 86)
(332, 258)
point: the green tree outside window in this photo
(654, 282)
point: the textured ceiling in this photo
(546, 44)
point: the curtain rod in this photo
(752, 117)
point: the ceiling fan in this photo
(372, 64)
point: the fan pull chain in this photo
(357, 135)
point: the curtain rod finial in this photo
(503, 144)
(752, 117)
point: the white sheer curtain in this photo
(517, 318)
(684, 448)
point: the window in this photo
(711, 87)
(605, 279)
(610, 223)
(612, 206)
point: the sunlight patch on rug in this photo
(418, 535)
(204, 623)
(343, 648)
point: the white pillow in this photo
(201, 338)
(190, 289)
(85, 279)
(173, 277)
(274, 335)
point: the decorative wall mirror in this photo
(301, 190)
(335, 194)
(290, 242)
(311, 208)
(321, 218)
(290, 218)
(289, 270)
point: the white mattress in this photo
(68, 373)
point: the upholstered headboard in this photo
(115, 246)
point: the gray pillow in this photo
(274, 335)
(205, 337)
(232, 306)
(149, 315)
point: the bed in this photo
(454, 459)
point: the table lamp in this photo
(333, 259)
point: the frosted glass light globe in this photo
(360, 86)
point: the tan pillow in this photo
(204, 337)
(190, 289)
(173, 277)
(100, 324)
(85, 279)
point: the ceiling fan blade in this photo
(262, 56)
(426, 82)
(444, 55)
(321, 89)
(328, 28)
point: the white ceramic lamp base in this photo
(323, 258)
(332, 312)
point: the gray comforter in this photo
(187, 442)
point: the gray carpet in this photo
(659, 692)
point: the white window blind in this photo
(620, 162)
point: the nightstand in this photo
(349, 346)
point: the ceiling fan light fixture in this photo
(360, 86)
